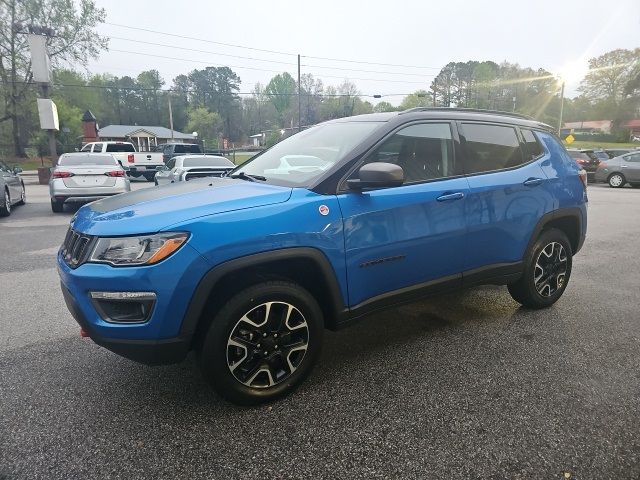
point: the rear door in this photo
(12, 181)
(631, 167)
(412, 235)
(507, 197)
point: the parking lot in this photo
(461, 386)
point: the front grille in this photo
(76, 248)
(191, 175)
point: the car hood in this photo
(153, 209)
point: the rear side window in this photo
(86, 148)
(491, 147)
(532, 148)
(120, 147)
(634, 157)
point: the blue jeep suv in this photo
(348, 217)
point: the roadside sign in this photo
(570, 139)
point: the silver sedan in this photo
(85, 177)
(188, 167)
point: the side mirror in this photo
(17, 170)
(377, 175)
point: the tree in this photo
(75, 41)
(420, 98)
(280, 91)
(609, 74)
(207, 124)
(383, 107)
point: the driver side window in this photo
(424, 151)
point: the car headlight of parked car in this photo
(138, 250)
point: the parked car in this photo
(587, 159)
(189, 167)
(85, 177)
(619, 171)
(249, 269)
(170, 150)
(136, 164)
(12, 191)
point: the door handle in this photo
(532, 182)
(450, 196)
(625, 166)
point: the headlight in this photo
(140, 250)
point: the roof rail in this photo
(466, 110)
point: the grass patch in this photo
(240, 158)
(597, 145)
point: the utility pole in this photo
(561, 107)
(170, 115)
(299, 98)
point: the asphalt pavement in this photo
(462, 386)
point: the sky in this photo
(400, 45)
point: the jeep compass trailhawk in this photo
(340, 220)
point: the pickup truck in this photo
(170, 150)
(136, 164)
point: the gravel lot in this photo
(462, 386)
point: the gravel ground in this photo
(462, 386)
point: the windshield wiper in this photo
(251, 178)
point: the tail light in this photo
(57, 174)
(583, 178)
(115, 173)
(130, 158)
(580, 161)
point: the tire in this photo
(616, 180)
(56, 206)
(239, 371)
(155, 181)
(5, 204)
(23, 196)
(149, 176)
(544, 258)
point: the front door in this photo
(412, 235)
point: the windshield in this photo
(207, 162)
(298, 160)
(186, 148)
(87, 160)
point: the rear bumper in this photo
(150, 352)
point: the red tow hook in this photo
(83, 333)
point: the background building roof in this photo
(121, 131)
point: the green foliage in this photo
(420, 98)
(207, 124)
(383, 107)
(280, 91)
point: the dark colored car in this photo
(170, 150)
(343, 219)
(587, 159)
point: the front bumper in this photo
(159, 340)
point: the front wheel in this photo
(5, 204)
(23, 196)
(263, 343)
(617, 180)
(546, 271)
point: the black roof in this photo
(88, 116)
(451, 114)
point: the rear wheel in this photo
(546, 272)
(57, 206)
(616, 180)
(5, 204)
(149, 176)
(262, 343)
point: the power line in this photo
(371, 71)
(265, 70)
(364, 62)
(201, 51)
(198, 39)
